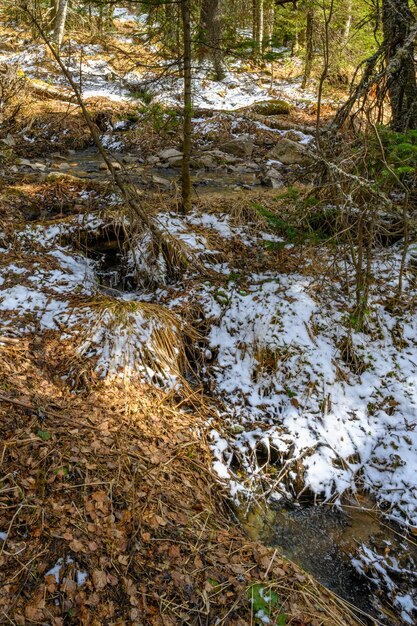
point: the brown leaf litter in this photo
(111, 513)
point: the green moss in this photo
(272, 107)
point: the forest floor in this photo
(141, 394)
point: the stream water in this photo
(87, 164)
(325, 541)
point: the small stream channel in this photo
(324, 540)
(87, 164)
(320, 539)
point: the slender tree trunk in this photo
(269, 26)
(309, 47)
(211, 35)
(348, 23)
(59, 22)
(261, 24)
(256, 26)
(186, 178)
(397, 20)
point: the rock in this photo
(170, 153)
(223, 158)
(158, 180)
(245, 168)
(152, 160)
(116, 166)
(175, 161)
(289, 152)
(205, 161)
(272, 107)
(129, 159)
(40, 167)
(61, 166)
(60, 176)
(238, 147)
(273, 178)
(252, 166)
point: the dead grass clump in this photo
(131, 339)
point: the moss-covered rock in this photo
(272, 107)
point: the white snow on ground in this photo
(124, 15)
(96, 77)
(235, 91)
(279, 362)
(279, 349)
(383, 571)
(80, 575)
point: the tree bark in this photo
(59, 22)
(257, 25)
(309, 47)
(348, 23)
(211, 35)
(187, 127)
(397, 21)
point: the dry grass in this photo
(139, 338)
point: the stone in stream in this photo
(40, 167)
(273, 178)
(241, 147)
(289, 152)
(175, 161)
(206, 161)
(115, 164)
(222, 157)
(170, 153)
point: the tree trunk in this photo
(186, 178)
(269, 26)
(261, 24)
(397, 20)
(309, 47)
(59, 22)
(348, 23)
(257, 27)
(211, 35)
